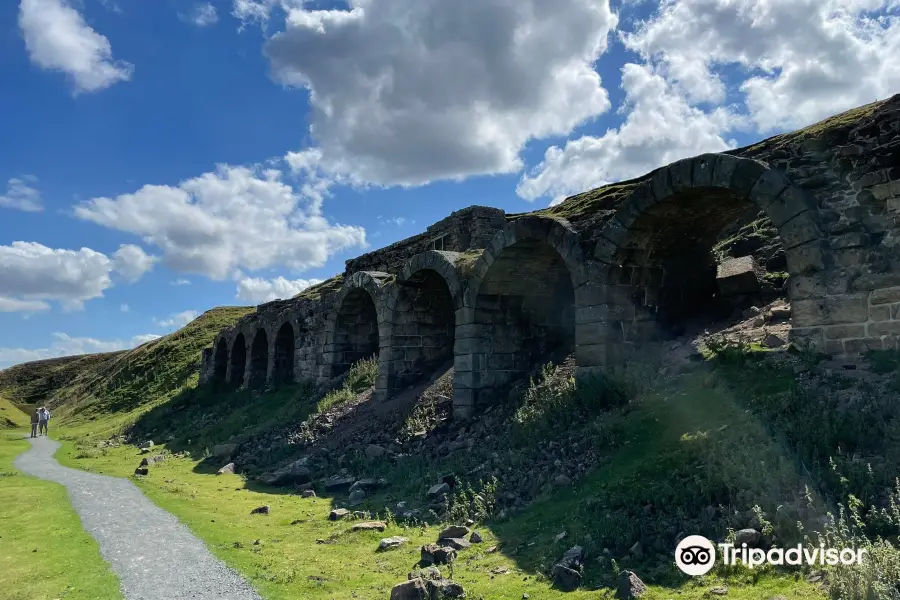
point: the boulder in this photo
(337, 514)
(337, 483)
(773, 341)
(738, 276)
(260, 510)
(224, 451)
(308, 494)
(437, 555)
(356, 497)
(454, 531)
(142, 471)
(629, 586)
(146, 445)
(565, 578)
(391, 542)
(439, 589)
(414, 589)
(426, 573)
(475, 538)
(456, 543)
(438, 490)
(294, 473)
(369, 526)
(751, 537)
(152, 460)
(227, 469)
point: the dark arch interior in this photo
(238, 360)
(356, 330)
(259, 360)
(667, 268)
(424, 323)
(526, 311)
(220, 362)
(283, 369)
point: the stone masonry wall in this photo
(832, 191)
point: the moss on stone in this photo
(466, 261)
(315, 292)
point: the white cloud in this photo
(143, 339)
(180, 282)
(66, 345)
(21, 195)
(125, 308)
(409, 91)
(253, 11)
(24, 306)
(660, 127)
(58, 39)
(803, 60)
(31, 271)
(258, 291)
(202, 15)
(132, 262)
(234, 218)
(179, 320)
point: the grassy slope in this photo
(667, 449)
(44, 552)
(10, 415)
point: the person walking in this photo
(35, 419)
(44, 421)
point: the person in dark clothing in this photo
(35, 419)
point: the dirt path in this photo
(154, 556)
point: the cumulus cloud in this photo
(257, 290)
(21, 195)
(66, 345)
(408, 91)
(58, 39)
(231, 219)
(202, 15)
(23, 306)
(178, 320)
(800, 61)
(660, 127)
(32, 271)
(132, 262)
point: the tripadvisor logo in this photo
(696, 555)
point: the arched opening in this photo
(283, 369)
(238, 360)
(355, 332)
(524, 314)
(259, 360)
(220, 362)
(422, 328)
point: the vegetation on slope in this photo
(10, 415)
(116, 384)
(44, 551)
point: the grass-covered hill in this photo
(11, 416)
(117, 383)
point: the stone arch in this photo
(655, 252)
(519, 308)
(220, 362)
(421, 318)
(353, 330)
(259, 360)
(284, 354)
(238, 362)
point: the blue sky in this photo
(162, 158)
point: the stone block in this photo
(788, 205)
(738, 276)
(831, 310)
(876, 281)
(662, 185)
(597, 332)
(886, 296)
(680, 174)
(591, 355)
(891, 328)
(807, 336)
(861, 346)
(801, 229)
(881, 312)
(703, 167)
(723, 171)
(834, 347)
(840, 332)
(745, 177)
(801, 287)
(805, 259)
(767, 188)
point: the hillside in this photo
(83, 387)
(11, 416)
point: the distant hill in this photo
(117, 381)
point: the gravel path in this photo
(155, 556)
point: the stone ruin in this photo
(602, 273)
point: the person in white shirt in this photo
(44, 420)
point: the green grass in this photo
(10, 415)
(44, 552)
